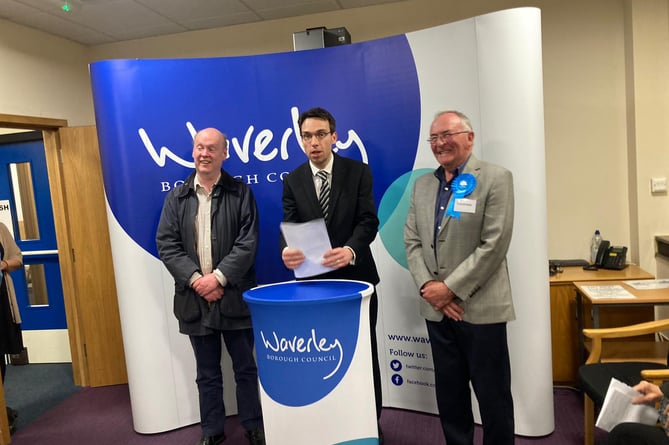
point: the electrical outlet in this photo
(658, 185)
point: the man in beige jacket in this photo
(457, 234)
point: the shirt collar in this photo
(197, 182)
(440, 174)
(327, 168)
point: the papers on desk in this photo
(618, 407)
(648, 284)
(607, 292)
(313, 240)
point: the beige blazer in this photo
(12, 251)
(470, 256)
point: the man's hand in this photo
(209, 288)
(442, 299)
(650, 393)
(292, 258)
(337, 257)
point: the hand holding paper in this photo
(312, 239)
(618, 407)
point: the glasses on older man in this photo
(306, 137)
(444, 136)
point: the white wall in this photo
(43, 76)
(648, 114)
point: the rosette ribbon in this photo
(463, 186)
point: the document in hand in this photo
(313, 240)
(618, 407)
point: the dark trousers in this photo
(463, 353)
(207, 349)
(376, 371)
(637, 434)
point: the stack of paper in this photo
(618, 407)
(648, 284)
(609, 291)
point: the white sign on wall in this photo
(6, 215)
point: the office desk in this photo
(638, 298)
(565, 332)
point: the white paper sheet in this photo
(648, 284)
(313, 240)
(606, 292)
(618, 407)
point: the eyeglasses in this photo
(445, 136)
(306, 137)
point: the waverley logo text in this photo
(305, 350)
(264, 148)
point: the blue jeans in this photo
(207, 349)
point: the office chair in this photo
(649, 362)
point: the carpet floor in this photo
(63, 414)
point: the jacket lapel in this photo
(308, 191)
(337, 183)
(473, 168)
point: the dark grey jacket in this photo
(234, 237)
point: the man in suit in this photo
(350, 216)
(457, 234)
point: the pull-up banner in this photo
(384, 95)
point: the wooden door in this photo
(89, 290)
(5, 438)
(95, 298)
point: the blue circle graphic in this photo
(393, 214)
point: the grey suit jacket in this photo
(470, 256)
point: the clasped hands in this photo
(335, 258)
(208, 287)
(442, 299)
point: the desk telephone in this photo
(609, 257)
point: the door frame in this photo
(49, 128)
(93, 323)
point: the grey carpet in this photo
(35, 388)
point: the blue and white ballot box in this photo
(313, 349)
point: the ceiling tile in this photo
(194, 11)
(92, 22)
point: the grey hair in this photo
(463, 118)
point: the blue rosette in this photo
(462, 186)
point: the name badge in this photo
(465, 205)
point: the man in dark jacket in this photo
(207, 238)
(349, 212)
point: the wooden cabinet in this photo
(564, 324)
(564, 332)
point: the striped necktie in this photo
(324, 193)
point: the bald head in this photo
(210, 150)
